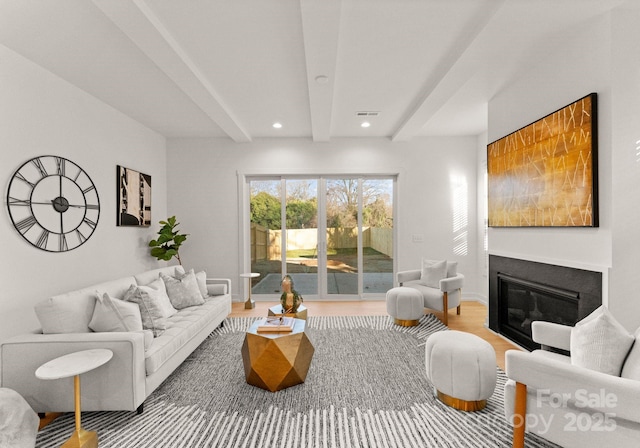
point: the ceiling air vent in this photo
(367, 113)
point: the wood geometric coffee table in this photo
(275, 361)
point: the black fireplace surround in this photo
(522, 291)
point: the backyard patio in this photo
(341, 277)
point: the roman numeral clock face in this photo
(53, 203)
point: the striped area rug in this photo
(366, 388)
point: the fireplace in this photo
(520, 302)
(522, 291)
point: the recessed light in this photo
(277, 125)
(365, 124)
(322, 79)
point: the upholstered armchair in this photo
(439, 283)
(572, 405)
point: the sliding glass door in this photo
(333, 235)
(359, 233)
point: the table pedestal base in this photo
(82, 439)
(249, 304)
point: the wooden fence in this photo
(266, 243)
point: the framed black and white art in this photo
(134, 197)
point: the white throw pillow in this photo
(148, 301)
(631, 368)
(599, 342)
(112, 314)
(66, 313)
(163, 299)
(201, 278)
(183, 290)
(452, 266)
(433, 272)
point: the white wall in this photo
(593, 58)
(625, 71)
(40, 114)
(481, 212)
(203, 193)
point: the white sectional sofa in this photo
(140, 363)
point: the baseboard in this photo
(475, 298)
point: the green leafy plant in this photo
(168, 243)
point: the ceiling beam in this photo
(321, 31)
(140, 24)
(449, 76)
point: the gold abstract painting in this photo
(545, 174)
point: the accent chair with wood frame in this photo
(439, 294)
(573, 406)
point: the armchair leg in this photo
(519, 415)
(445, 309)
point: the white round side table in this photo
(75, 364)
(250, 304)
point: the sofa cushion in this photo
(148, 301)
(112, 314)
(217, 289)
(183, 290)
(71, 312)
(181, 327)
(599, 342)
(433, 272)
(631, 368)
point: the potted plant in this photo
(168, 243)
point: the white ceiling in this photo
(230, 68)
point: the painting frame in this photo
(134, 198)
(545, 174)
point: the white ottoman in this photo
(405, 305)
(462, 368)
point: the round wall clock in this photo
(53, 203)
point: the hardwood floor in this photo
(471, 318)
